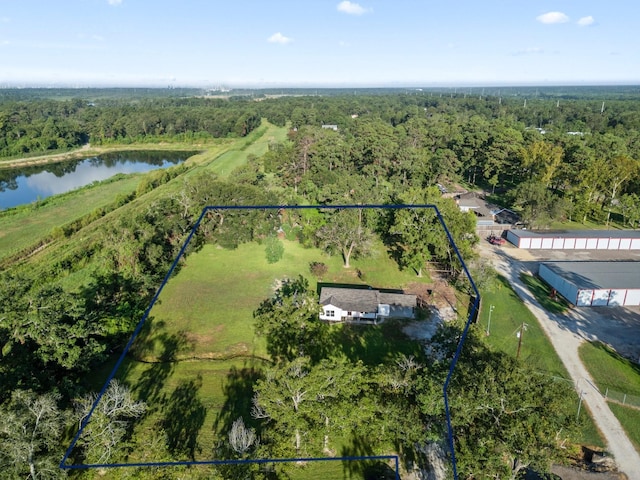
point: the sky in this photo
(307, 43)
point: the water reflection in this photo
(26, 185)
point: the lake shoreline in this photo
(89, 151)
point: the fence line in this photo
(623, 398)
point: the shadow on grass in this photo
(544, 294)
(375, 344)
(159, 352)
(184, 415)
(367, 470)
(238, 392)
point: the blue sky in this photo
(318, 42)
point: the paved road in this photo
(566, 342)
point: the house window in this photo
(331, 313)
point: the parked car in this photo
(495, 240)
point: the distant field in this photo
(26, 226)
(257, 144)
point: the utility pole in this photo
(489, 323)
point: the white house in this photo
(364, 305)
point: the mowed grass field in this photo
(617, 376)
(256, 144)
(198, 356)
(507, 318)
(24, 227)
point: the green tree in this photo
(304, 405)
(630, 205)
(505, 416)
(542, 160)
(347, 233)
(290, 322)
(417, 236)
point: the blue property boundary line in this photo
(142, 321)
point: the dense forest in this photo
(553, 158)
(66, 309)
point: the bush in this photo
(274, 250)
(318, 269)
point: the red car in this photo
(494, 240)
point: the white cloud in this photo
(279, 38)
(351, 8)
(553, 17)
(586, 21)
(529, 51)
(114, 2)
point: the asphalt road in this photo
(568, 331)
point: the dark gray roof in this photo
(363, 299)
(577, 233)
(598, 274)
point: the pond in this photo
(20, 186)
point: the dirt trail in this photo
(566, 343)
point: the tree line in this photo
(39, 126)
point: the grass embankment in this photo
(543, 294)
(201, 341)
(25, 226)
(507, 318)
(630, 419)
(619, 378)
(256, 144)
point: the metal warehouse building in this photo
(576, 240)
(594, 284)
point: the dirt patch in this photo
(423, 330)
(438, 294)
(572, 473)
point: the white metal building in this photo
(576, 240)
(594, 284)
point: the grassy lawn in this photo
(256, 143)
(209, 305)
(619, 379)
(509, 313)
(542, 292)
(630, 419)
(610, 370)
(25, 226)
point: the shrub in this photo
(318, 269)
(274, 249)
